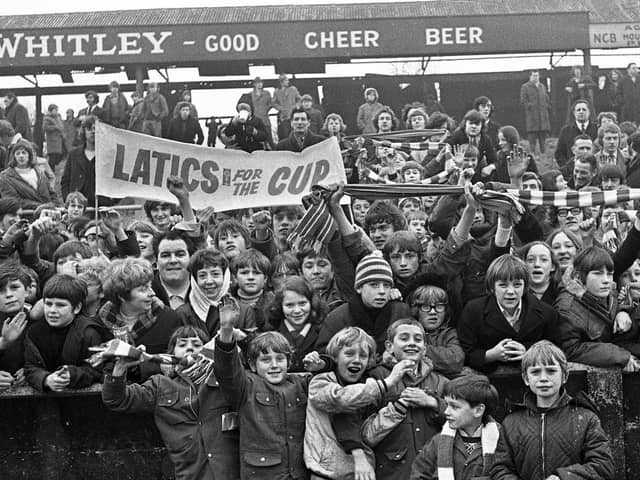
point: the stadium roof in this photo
(600, 11)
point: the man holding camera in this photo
(249, 132)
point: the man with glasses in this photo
(570, 218)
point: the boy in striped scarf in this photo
(465, 448)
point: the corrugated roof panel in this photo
(601, 11)
(292, 13)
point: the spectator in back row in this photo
(285, 100)
(300, 138)
(92, 107)
(315, 115)
(154, 110)
(115, 107)
(17, 115)
(368, 111)
(580, 125)
(184, 127)
(54, 136)
(535, 99)
(248, 131)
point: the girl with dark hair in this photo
(297, 312)
(508, 142)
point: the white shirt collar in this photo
(516, 314)
(302, 332)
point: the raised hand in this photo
(176, 186)
(229, 316)
(206, 215)
(517, 163)
(13, 328)
(312, 362)
(398, 371)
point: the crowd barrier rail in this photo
(72, 435)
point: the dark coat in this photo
(271, 418)
(290, 144)
(633, 172)
(116, 113)
(156, 336)
(244, 136)
(12, 185)
(82, 334)
(185, 131)
(354, 314)
(301, 347)
(18, 116)
(575, 446)
(535, 101)
(565, 140)
(465, 467)
(482, 326)
(79, 175)
(630, 93)
(96, 111)
(485, 146)
(54, 134)
(587, 332)
(190, 420)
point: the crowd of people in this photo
(366, 357)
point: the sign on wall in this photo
(398, 37)
(614, 35)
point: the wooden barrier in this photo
(72, 435)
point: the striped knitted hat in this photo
(373, 268)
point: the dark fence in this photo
(72, 435)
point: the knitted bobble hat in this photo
(373, 268)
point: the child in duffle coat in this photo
(196, 422)
(411, 411)
(337, 399)
(271, 403)
(465, 448)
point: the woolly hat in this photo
(373, 268)
(371, 90)
(306, 96)
(243, 106)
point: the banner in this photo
(130, 164)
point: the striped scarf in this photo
(489, 440)
(317, 226)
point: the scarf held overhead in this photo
(317, 225)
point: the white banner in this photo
(130, 164)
